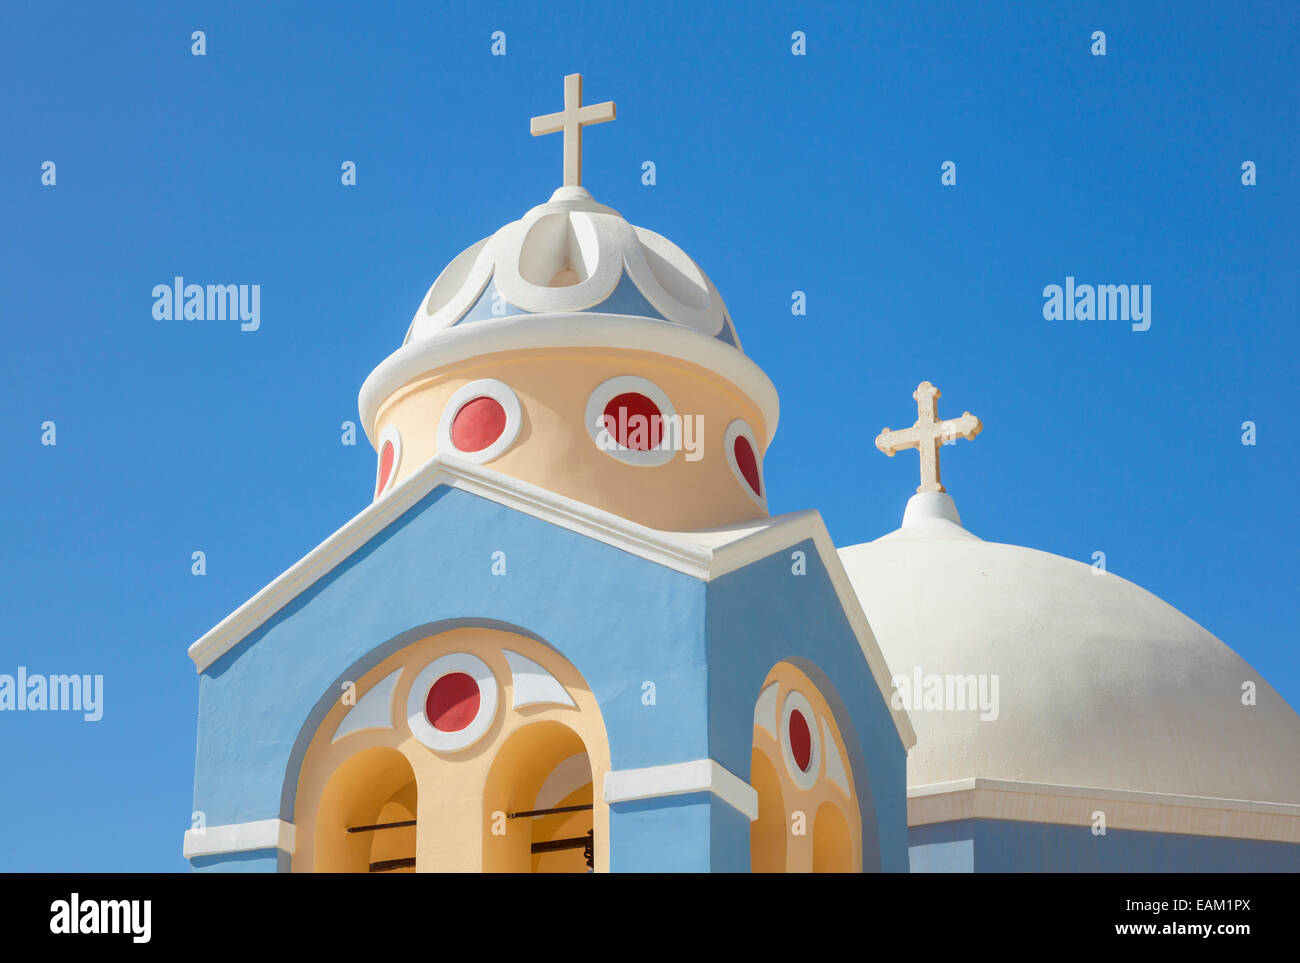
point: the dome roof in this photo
(571, 273)
(572, 254)
(1100, 683)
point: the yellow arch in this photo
(455, 793)
(820, 826)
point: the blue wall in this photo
(621, 620)
(1004, 846)
(764, 614)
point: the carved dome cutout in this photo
(453, 277)
(559, 250)
(676, 272)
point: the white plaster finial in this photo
(927, 434)
(571, 120)
(925, 506)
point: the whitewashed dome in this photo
(1101, 684)
(571, 273)
(573, 254)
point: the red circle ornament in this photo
(634, 421)
(477, 424)
(452, 702)
(800, 740)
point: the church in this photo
(566, 635)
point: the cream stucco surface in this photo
(1100, 683)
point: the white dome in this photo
(572, 254)
(1100, 683)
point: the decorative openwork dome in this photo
(568, 255)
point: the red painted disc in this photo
(452, 702)
(386, 454)
(747, 462)
(479, 422)
(634, 421)
(800, 740)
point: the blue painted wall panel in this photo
(253, 861)
(669, 834)
(764, 614)
(619, 619)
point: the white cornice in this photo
(979, 798)
(701, 555)
(240, 838)
(572, 330)
(698, 775)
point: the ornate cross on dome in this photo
(571, 120)
(927, 435)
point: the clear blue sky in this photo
(818, 173)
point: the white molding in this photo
(706, 316)
(240, 838)
(468, 273)
(522, 255)
(698, 775)
(701, 555)
(836, 771)
(570, 330)
(532, 685)
(980, 798)
(502, 394)
(596, 238)
(374, 710)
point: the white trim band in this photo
(478, 339)
(240, 838)
(698, 775)
(1152, 812)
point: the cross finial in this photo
(571, 120)
(927, 435)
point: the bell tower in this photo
(575, 351)
(565, 634)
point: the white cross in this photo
(571, 120)
(927, 435)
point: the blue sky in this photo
(776, 173)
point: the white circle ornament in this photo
(799, 711)
(452, 702)
(505, 432)
(626, 425)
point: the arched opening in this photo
(534, 741)
(832, 843)
(538, 804)
(366, 819)
(808, 819)
(767, 832)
